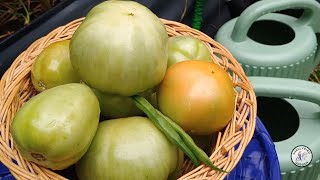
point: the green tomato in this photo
(130, 148)
(117, 106)
(53, 67)
(55, 128)
(120, 48)
(186, 47)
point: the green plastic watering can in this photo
(294, 125)
(273, 44)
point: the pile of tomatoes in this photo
(85, 114)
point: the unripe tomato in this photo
(186, 47)
(55, 128)
(130, 148)
(120, 48)
(53, 67)
(117, 106)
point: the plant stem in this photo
(174, 133)
(27, 16)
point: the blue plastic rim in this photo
(5, 173)
(259, 160)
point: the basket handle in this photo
(286, 88)
(310, 16)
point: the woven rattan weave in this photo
(227, 149)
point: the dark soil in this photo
(15, 14)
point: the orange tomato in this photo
(198, 95)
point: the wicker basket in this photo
(16, 88)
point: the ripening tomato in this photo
(197, 95)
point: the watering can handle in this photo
(310, 16)
(286, 88)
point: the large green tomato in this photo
(120, 48)
(117, 106)
(130, 148)
(55, 128)
(187, 47)
(52, 67)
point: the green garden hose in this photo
(197, 16)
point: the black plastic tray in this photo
(215, 13)
(61, 14)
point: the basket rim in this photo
(241, 138)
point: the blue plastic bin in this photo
(259, 160)
(5, 173)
